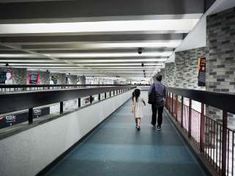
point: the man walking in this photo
(158, 90)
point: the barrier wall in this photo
(28, 152)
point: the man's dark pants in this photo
(155, 110)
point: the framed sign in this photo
(202, 71)
(34, 78)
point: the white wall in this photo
(197, 37)
(28, 152)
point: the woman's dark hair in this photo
(133, 95)
(159, 77)
(136, 94)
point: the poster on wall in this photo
(34, 78)
(16, 118)
(6, 77)
(2, 77)
(202, 71)
(53, 80)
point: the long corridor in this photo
(116, 148)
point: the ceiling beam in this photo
(103, 8)
(89, 38)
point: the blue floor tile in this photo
(117, 149)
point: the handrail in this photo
(212, 138)
(52, 85)
(25, 100)
(219, 100)
(17, 101)
(65, 85)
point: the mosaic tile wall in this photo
(170, 74)
(183, 73)
(186, 68)
(221, 44)
(221, 61)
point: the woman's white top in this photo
(138, 107)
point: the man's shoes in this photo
(158, 128)
(138, 128)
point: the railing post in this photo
(224, 142)
(91, 99)
(202, 128)
(99, 97)
(182, 111)
(176, 107)
(79, 102)
(168, 99)
(30, 116)
(172, 104)
(61, 107)
(190, 118)
(105, 95)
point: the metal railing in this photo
(23, 87)
(212, 138)
(29, 101)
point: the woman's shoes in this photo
(138, 128)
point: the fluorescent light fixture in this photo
(36, 64)
(84, 68)
(29, 61)
(122, 64)
(131, 67)
(86, 65)
(89, 55)
(149, 44)
(104, 55)
(103, 45)
(119, 60)
(19, 56)
(43, 67)
(182, 25)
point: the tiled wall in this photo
(221, 44)
(221, 61)
(170, 74)
(186, 68)
(183, 73)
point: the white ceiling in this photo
(94, 46)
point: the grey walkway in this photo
(117, 149)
